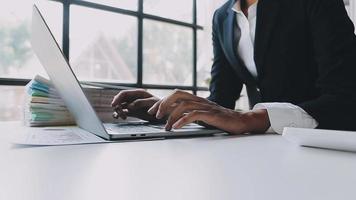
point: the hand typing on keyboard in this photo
(135, 103)
(181, 108)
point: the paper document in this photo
(53, 136)
(329, 139)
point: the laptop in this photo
(326, 139)
(64, 80)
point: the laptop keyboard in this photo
(132, 128)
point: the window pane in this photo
(160, 93)
(11, 103)
(348, 8)
(125, 4)
(203, 94)
(202, 12)
(181, 10)
(103, 45)
(205, 11)
(163, 93)
(17, 60)
(205, 58)
(167, 54)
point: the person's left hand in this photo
(183, 108)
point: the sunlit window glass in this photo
(181, 10)
(124, 4)
(103, 45)
(17, 59)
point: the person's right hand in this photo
(134, 103)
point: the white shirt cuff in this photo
(283, 115)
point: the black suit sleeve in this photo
(225, 86)
(334, 44)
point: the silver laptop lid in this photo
(62, 76)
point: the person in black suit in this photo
(297, 59)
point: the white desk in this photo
(262, 167)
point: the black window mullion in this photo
(103, 7)
(195, 47)
(140, 45)
(171, 21)
(66, 15)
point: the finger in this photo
(184, 107)
(138, 114)
(154, 108)
(115, 115)
(125, 114)
(192, 117)
(119, 109)
(124, 105)
(141, 103)
(121, 100)
(128, 96)
(141, 115)
(177, 96)
(119, 114)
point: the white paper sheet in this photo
(328, 139)
(55, 136)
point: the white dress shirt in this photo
(281, 115)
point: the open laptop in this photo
(65, 81)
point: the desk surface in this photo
(255, 167)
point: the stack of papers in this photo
(44, 106)
(101, 100)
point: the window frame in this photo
(140, 15)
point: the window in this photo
(181, 10)
(16, 57)
(12, 98)
(167, 53)
(154, 44)
(103, 45)
(125, 4)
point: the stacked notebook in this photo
(44, 106)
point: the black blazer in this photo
(305, 54)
